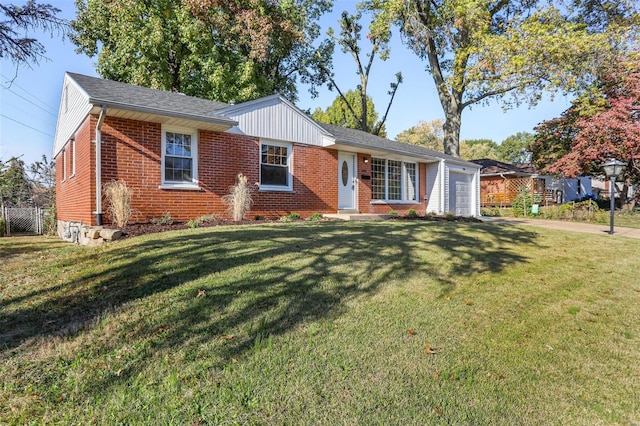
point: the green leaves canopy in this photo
(339, 114)
(477, 50)
(223, 50)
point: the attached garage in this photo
(462, 191)
(453, 186)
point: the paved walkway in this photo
(588, 228)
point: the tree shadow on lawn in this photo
(261, 280)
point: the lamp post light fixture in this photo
(612, 168)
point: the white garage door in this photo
(460, 198)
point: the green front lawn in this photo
(323, 323)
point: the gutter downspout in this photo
(443, 196)
(98, 213)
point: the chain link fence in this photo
(23, 220)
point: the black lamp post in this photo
(612, 168)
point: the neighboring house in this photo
(600, 187)
(501, 182)
(181, 154)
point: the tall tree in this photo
(427, 134)
(223, 50)
(603, 125)
(21, 49)
(475, 149)
(15, 187)
(340, 113)
(478, 50)
(42, 175)
(515, 148)
(349, 41)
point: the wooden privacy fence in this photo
(23, 220)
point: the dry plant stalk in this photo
(239, 200)
(119, 197)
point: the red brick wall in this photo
(75, 196)
(131, 151)
(364, 191)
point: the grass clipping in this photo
(239, 200)
(119, 197)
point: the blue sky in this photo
(28, 108)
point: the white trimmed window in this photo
(393, 180)
(275, 166)
(72, 148)
(179, 158)
(64, 164)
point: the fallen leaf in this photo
(428, 350)
(202, 293)
(411, 332)
(234, 360)
(438, 411)
(468, 302)
(229, 337)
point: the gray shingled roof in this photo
(128, 96)
(360, 138)
(495, 167)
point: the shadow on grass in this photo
(264, 280)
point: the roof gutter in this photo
(98, 212)
(217, 119)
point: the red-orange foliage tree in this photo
(603, 125)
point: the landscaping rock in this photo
(111, 234)
(93, 233)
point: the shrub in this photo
(315, 217)
(285, 219)
(490, 211)
(259, 217)
(294, 216)
(412, 213)
(192, 224)
(239, 199)
(521, 205)
(449, 216)
(565, 211)
(119, 198)
(206, 218)
(393, 213)
(51, 221)
(165, 219)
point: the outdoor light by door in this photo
(612, 168)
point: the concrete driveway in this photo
(588, 228)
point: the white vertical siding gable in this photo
(275, 118)
(74, 108)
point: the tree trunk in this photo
(626, 204)
(451, 129)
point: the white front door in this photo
(346, 181)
